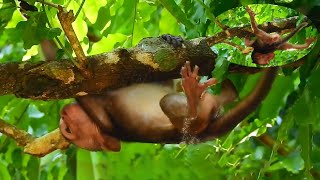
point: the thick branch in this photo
(151, 60)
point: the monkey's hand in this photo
(175, 41)
(193, 88)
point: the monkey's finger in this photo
(183, 72)
(195, 71)
(210, 82)
(189, 72)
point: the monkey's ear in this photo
(66, 131)
(110, 143)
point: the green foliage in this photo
(289, 115)
(34, 29)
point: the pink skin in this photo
(263, 59)
(77, 127)
(194, 89)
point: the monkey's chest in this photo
(263, 48)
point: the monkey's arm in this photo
(307, 43)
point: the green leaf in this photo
(33, 168)
(294, 163)
(34, 29)
(177, 12)
(276, 98)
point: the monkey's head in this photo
(261, 59)
(79, 129)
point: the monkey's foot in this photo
(310, 40)
(192, 87)
(175, 41)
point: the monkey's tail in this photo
(292, 33)
(232, 118)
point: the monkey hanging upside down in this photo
(266, 43)
(150, 111)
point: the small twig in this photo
(79, 10)
(270, 142)
(68, 53)
(66, 19)
(246, 50)
(234, 45)
(49, 4)
(241, 32)
(35, 146)
(222, 26)
(133, 24)
(21, 137)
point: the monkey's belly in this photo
(136, 110)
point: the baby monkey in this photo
(151, 112)
(266, 43)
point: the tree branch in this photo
(152, 59)
(35, 146)
(241, 32)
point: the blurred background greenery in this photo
(290, 114)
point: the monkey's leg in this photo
(307, 43)
(194, 106)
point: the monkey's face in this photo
(262, 59)
(275, 37)
(79, 129)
